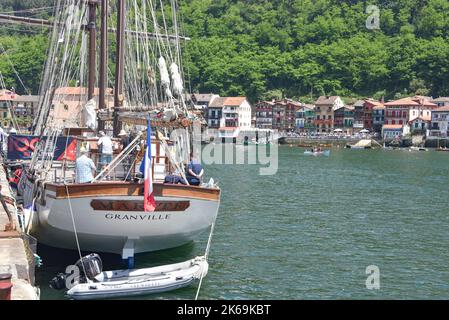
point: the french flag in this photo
(149, 203)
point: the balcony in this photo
(323, 122)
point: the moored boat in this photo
(107, 214)
(418, 149)
(120, 283)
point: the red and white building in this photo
(401, 111)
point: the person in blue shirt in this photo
(194, 172)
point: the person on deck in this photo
(105, 150)
(85, 168)
(194, 172)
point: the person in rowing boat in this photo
(194, 172)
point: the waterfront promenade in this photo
(15, 257)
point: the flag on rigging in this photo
(149, 203)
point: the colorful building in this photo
(324, 112)
(344, 119)
(368, 113)
(278, 115)
(403, 110)
(359, 115)
(305, 118)
(264, 114)
(378, 117)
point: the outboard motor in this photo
(93, 266)
(58, 282)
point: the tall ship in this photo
(107, 215)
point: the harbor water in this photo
(311, 230)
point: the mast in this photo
(103, 81)
(92, 28)
(119, 66)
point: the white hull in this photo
(123, 232)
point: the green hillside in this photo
(294, 48)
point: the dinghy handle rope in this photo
(76, 233)
(206, 255)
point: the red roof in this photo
(411, 102)
(234, 101)
(446, 108)
(375, 104)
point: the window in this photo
(400, 122)
(404, 114)
(393, 122)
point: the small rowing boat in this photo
(326, 153)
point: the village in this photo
(329, 116)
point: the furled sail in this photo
(176, 79)
(165, 77)
(90, 114)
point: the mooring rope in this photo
(206, 255)
(74, 229)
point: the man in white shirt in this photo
(105, 145)
(85, 168)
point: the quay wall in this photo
(16, 257)
(309, 141)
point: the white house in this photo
(394, 131)
(235, 115)
(440, 122)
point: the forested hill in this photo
(265, 49)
